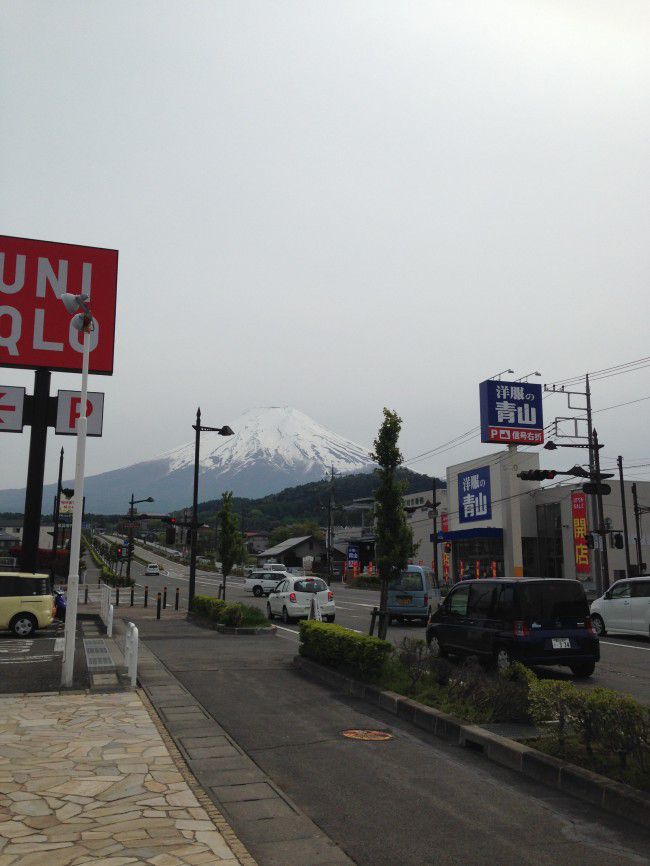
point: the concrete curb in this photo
(615, 797)
(204, 622)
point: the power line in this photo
(602, 373)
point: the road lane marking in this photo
(626, 645)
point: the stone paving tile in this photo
(87, 779)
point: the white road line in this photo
(284, 628)
(626, 645)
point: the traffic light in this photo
(537, 474)
(594, 487)
(589, 538)
(119, 553)
(618, 541)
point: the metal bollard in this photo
(178, 592)
(117, 596)
(132, 595)
(86, 595)
(373, 619)
(164, 598)
(146, 596)
(158, 606)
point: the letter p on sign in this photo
(68, 411)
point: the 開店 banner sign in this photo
(579, 524)
(36, 330)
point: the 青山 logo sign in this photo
(511, 412)
(474, 495)
(35, 328)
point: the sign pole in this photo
(67, 672)
(35, 470)
(512, 551)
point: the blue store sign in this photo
(474, 499)
(353, 555)
(511, 412)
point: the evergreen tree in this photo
(230, 544)
(394, 538)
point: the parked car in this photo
(262, 582)
(152, 568)
(411, 594)
(291, 599)
(537, 621)
(26, 602)
(625, 608)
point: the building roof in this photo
(284, 546)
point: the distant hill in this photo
(309, 501)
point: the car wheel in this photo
(285, 616)
(599, 625)
(269, 612)
(330, 618)
(23, 625)
(503, 659)
(584, 669)
(436, 648)
(257, 591)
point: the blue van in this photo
(412, 595)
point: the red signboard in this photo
(579, 523)
(35, 327)
(444, 522)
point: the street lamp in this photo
(77, 306)
(222, 431)
(496, 375)
(129, 549)
(526, 377)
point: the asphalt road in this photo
(410, 801)
(624, 664)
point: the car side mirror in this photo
(608, 594)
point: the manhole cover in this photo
(361, 734)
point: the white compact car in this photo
(152, 568)
(291, 599)
(625, 608)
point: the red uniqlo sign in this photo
(579, 522)
(35, 327)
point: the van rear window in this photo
(553, 600)
(408, 581)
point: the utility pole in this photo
(329, 526)
(601, 518)
(435, 532)
(129, 547)
(624, 507)
(637, 513)
(57, 506)
(593, 504)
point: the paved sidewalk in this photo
(92, 779)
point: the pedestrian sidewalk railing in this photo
(131, 639)
(106, 609)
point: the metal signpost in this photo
(37, 332)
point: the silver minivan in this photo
(412, 594)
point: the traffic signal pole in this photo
(592, 500)
(637, 522)
(604, 560)
(624, 507)
(129, 548)
(512, 548)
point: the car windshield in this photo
(556, 599)
(408, 581)
(310, 585)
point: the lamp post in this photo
(129, 547)
(82, 321)
(222, 431)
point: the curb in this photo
(204, 622)
(611, 796)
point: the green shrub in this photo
(413, 654)
(231, 614)
(619, 724)
(340, 648)
(112, 579)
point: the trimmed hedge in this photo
(112, 579)
(338, 647)
(231, 614)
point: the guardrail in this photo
(131, 639)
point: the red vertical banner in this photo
(477, 568)
(494, 569)
(579, 523)
(445, 567)
(444, 522)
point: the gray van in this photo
(412, 595)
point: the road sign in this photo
(511, 412)
(12, 401)
(68, 410)
(66, 506)
(36, 330)
(603, 489)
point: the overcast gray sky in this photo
(338, 206)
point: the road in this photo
(624, 664)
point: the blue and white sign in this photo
(353, 555)
(511, 412)
(474, 500)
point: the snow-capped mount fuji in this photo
(272, 448)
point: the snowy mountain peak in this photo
(279, 437)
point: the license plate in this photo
(561, 643)
(405, 600)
